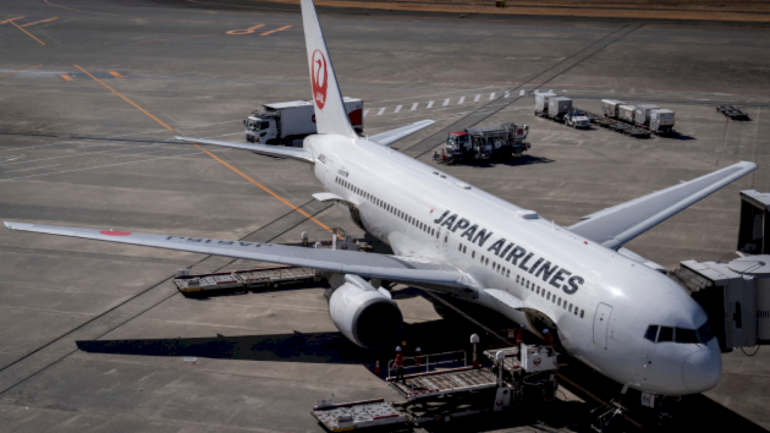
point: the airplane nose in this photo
(702, 370)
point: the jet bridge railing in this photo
(430, 362)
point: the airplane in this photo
(608, 307)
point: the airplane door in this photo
(601, 323)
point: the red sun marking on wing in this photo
(109, 233)
(319, 79)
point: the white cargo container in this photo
(285, 122)
(662, 120)
(642, 113)
(626, 113)
(558, 106)
(610, 107)
(541, 102)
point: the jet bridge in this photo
(736, 295)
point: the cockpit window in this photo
(652, 333)
(666, 334)
(686, 336)
(704, 333)
(663, 334)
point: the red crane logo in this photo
(319, 78)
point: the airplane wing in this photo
(421, 272)
(389, 137)
(282, 151)
(614, 226)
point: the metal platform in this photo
(425, 385)
(349, 416)
(242, 280)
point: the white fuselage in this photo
(600, 301)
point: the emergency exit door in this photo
(601, 324)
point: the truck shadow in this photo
(524, 160)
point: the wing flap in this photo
(299, 153)
(422, 272)
(614, 226)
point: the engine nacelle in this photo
(365, 315)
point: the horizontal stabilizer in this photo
(285, 152)
(389, 137)
(614, 226)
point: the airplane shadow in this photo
(523, 160)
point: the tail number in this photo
(319, 78)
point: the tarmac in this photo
(91, 94)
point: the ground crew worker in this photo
(520, 335)
(548, 340)
(399, 364)
(418, 358)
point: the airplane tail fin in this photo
(330, 114)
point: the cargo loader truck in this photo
(286, 122)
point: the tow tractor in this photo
(441, 387)
(492, 142)
(577, 119)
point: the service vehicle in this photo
(285, 122)
(558, 107)
(491, 142)
(626, 113)
(577, 119)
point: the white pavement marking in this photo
(79, 154)
(398, 108)
(366, 112)
(462, 100)
(414, 106)
(507, 94)
(492, 96)
(141, 153)
(32, 168)
(99, 166)
(550, 90)
(382, 110)
(476, 99)
(521, 92)
(430, 104)
(446, 102)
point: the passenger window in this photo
(538, 290)
(473, 254)
(482, 259)
(508, 274)
(487, 262)
(548, 296)
(459, 247)
(465, 249)
(652, 333)
(684, 335)
(666, 334)
(581, 313)
(570, 308)
(526, 284)
(517, 278)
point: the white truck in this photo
(285, 122)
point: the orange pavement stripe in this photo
(40, 22)
(116, 74)
(173, 39)
(273, 31)
(209, 153)
(11, 19)
(22, 70)
(67, 77)
(28, 33)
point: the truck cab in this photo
(458, 143)
(260, 129)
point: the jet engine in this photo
(366, 316)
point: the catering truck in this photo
(285, 122)
(491, 142)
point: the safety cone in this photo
(377, 369)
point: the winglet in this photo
(7, 225)
(330, 114)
